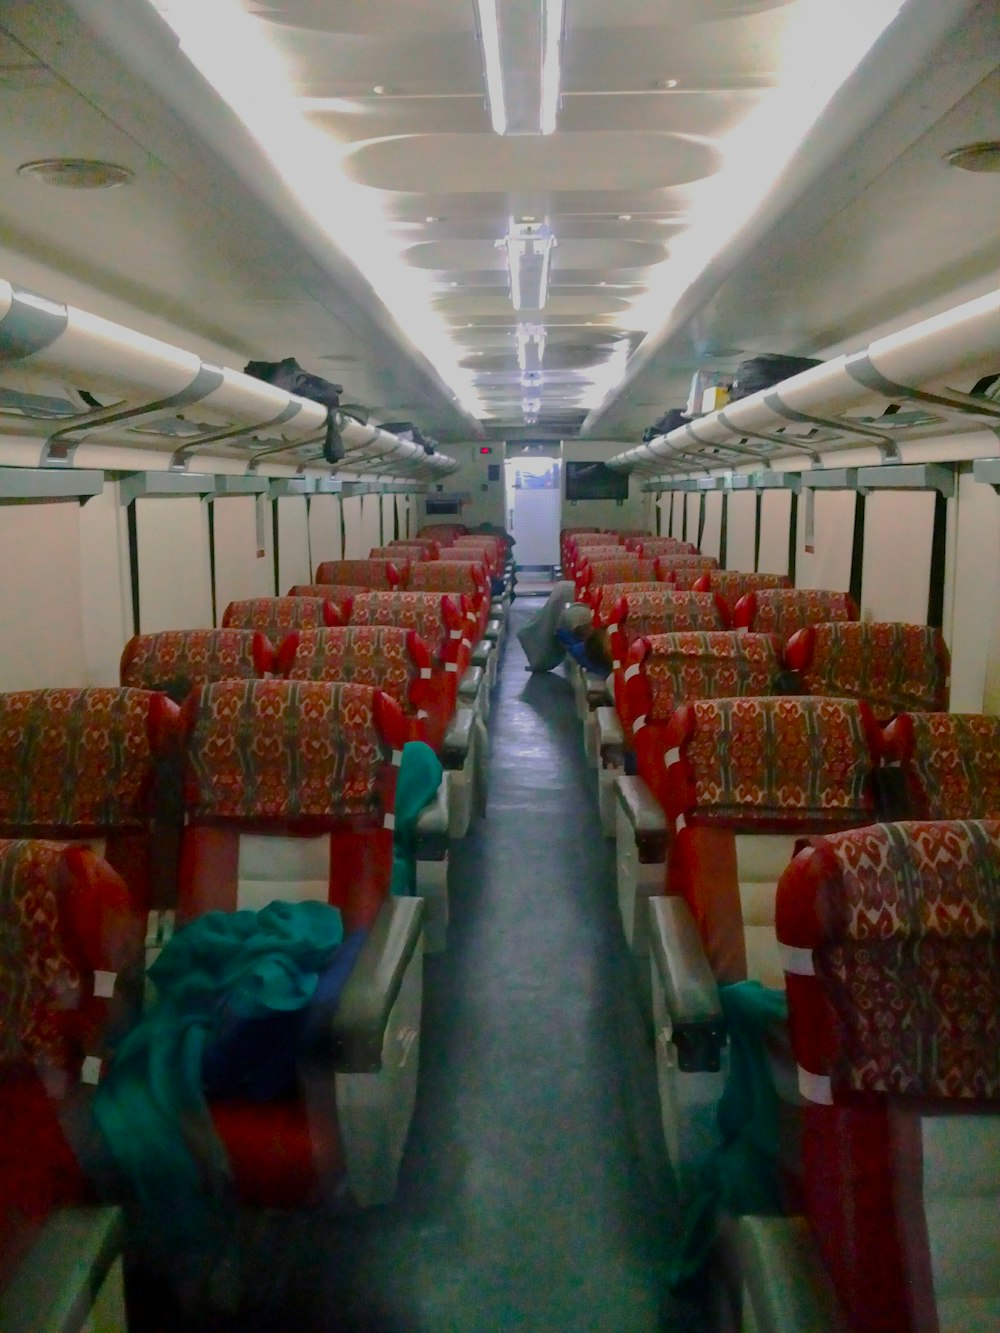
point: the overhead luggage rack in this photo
(899, 388)
(143, 392)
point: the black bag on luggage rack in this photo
(671, 419)
(766, 370)
(406, 430)
(290, 376)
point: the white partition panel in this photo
(371, 521)
(741, 530)
(325, 538)
(899, 530)
(295, 563)
(40, 615)
(676, 515)
(711, 537)
(105, 584)
(388, 518)
(828, 565)
(174, 567)
(693, 504)
(975, 602)
(662, 515)
(402, 514)
(775, 521)
(242, 528)
(354, 537)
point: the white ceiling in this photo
(866, 225)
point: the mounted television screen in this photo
(595, 481)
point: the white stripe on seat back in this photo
(293, 870)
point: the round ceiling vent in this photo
(77, 173)
(976, 156)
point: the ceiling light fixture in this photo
(529, 252)
(531, 407)
(530, 346)
(975, 156)
(76, 173)
(521, 44)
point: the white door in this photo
(533, 495)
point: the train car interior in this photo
(499, 666)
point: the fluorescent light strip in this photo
(489, 32)
(553, 21)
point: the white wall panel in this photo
(693, 506)
(677, 516)
(239, 571)
(175, 577)
(354, 538)
(324, 528)
(829, 565)
(105, 584)
(42, 625)
(711, 537)
(371, 521)
(741, 530)
(402, 509)
(295, 564)
(975, 601)
(388, 516)
(899, 530)
(775, 520)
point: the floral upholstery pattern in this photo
(41, 984)
(175, 660)
(706, 665)
(952, 763)
(278, 616)
(362, 573)
(659, 610)
(429, 614)
(76, 758)
(685, 561)
(782, 760)
(782, 611)
(909, 958)
(284, 750)
(654, 546)
(894, 667)
(404, 551)
(620, 569)
(733, 584)
(377, 655)
(444, 575)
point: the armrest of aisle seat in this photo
(610, 737)
(481, 653)
(469, 685)
(69, 1276)
(493, 630)
(690, 994)
(458, 738)
(598, 691)
(357, 1029)
(784, 1283)
(432, 826)
(645, 817)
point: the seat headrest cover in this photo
(277, 616)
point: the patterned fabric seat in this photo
(733, 584)
(782, 611)
(385, 657)
(405, 551)
(175, 660)
(654, 546)
(290, 795)
(277, 616)
(685, 563)
(85, 765)
(385, 574)
(615, 569)
(950, 763)
(467, 579)
(72, 936)
(740, 780)
(895, 667)
(635, 612)
(670, 669)
(888, 936)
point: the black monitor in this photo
(595, 481)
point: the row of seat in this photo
(227, 771)
(882, 935)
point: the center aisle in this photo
(534, 1191)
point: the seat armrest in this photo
(783, 1278)
(598, 692)
(54, 1287)
(458, 738)
(357, 1030)
(431, 841)
(690, 993)
(610, 734)
(643, 810)
(468, 686)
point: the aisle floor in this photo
(535, 1193)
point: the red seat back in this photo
(950, 763)
(363, 573)
(666, 670)
(277, 616)
(782, 611)
(175, 660)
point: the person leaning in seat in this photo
(564, 626)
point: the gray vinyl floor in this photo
(535, 1193)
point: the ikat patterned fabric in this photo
(175, 660)
(620, 569)
(732, 584)
(685, 561)
(419, 611)
(895, 667)
(375, 655)
(712, 665)
(911, 960)
(404, 551)
(653, 546)
(444, 575)
(40, 983)
(782, 760)
(662, 610)
(363, 573)
(782, 611)
(956, 762)
(283, 750)
(278, 616)
(75, 759)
